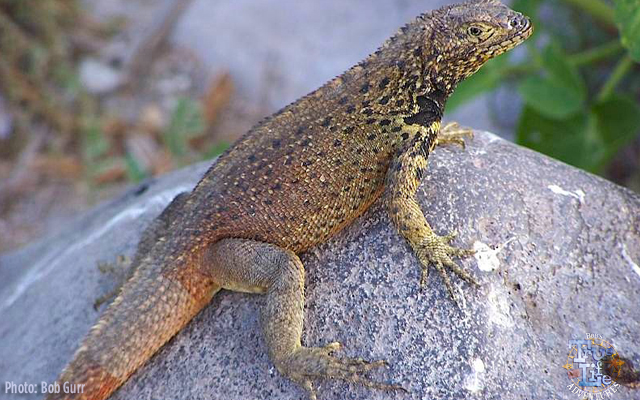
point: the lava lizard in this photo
(292, 182)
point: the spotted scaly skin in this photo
(291, 183)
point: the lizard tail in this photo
(151, 308)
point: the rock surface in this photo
(567, 264)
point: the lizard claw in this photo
(308, 363)
(436, 250)
(453, 133)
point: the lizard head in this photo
(469, 34)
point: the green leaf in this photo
(627, 17)
(617, 121)
(485, 80)
(562, 139)
(549, 98)
(215, 150)
(95, 145)
(135, 172)
(561, 92)
(561, 71)
(186, 121)
(527, 7)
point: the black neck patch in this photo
(429, 111)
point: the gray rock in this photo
(566, 265)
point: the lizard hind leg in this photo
(258, 267)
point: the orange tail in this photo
(151, 308)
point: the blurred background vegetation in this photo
(578, 82)
(75, 129)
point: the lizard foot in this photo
(308, 363)
(453, 133)
(436, 250)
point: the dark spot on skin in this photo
(306, 163)
(383, 101)
(346, 188)
(399, 103)
(384, 82)
(235, 217)
(326, 122)
(276, 187)
(351, 109)
(366, 104)
(396, 129)
(305, 142)
(385, 122)
(251, 158)
(411, 83)
(268, 202)
(276, 143)
(365, 88)
(320, 154)
(405, 135)
(337, 143)
(371, 137)
(359, 151)
(348, 129)
(367, 111)
(370, 121)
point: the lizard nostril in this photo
(518, 22)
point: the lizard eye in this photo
(474, 31)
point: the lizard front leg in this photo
(258, 267)
(402, 181)
(453, 133)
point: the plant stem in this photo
(597, 53)
(598, 9)
(623, 67)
